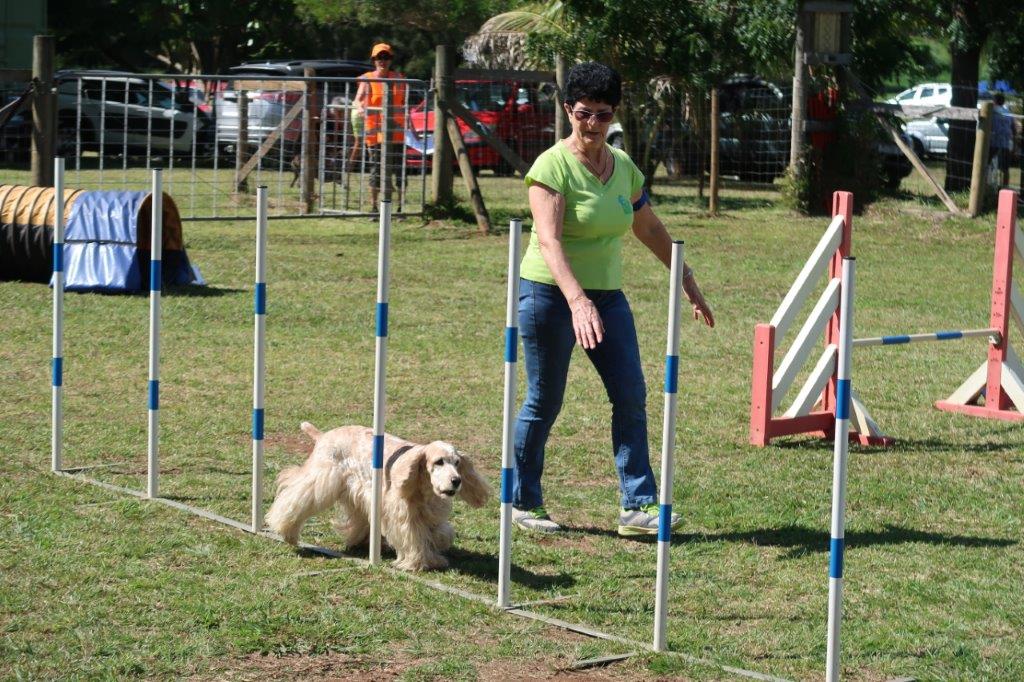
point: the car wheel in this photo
(918, 147)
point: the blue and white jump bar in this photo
(380, 360)
(259, 357)
(155, 282)
(668, 437)
(995, 338)
(515, 229)
(57, 432)
(842, 445)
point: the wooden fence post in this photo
(44, 119)
(310, 127)
(242, 143)
(980, 164)
(483, 220)
(561, 122)
(442, 176)
(713, 190)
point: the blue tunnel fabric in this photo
(101, 246)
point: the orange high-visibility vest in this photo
(374, 103)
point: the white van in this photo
(925, 94)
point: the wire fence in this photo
(219, 137)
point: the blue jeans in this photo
(545, 325)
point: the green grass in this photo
(96, 585)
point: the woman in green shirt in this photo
(584, 196)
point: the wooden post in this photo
(796, 135)
(561, 121)
(483, 221)
(44, 124)
(980, 164)
(713, 199)
(442, 176)
(242, 143)
(310, 127)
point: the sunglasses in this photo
(383, 56)
(601, 116)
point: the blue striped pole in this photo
(842, 445)
(515, 229)
(155, 282)
(259, 357)
(377, 476)
(668, 437)
(57, 432)
(950, 335)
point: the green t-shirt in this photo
(596, 217)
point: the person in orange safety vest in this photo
(370, 102)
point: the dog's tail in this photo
(311, 431)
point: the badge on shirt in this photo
(627, 208)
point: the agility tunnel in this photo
(107, 239)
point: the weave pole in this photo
(668, 437)
(380, 360)
(155, 282)
(842, 446)
(259, 357)
(57, 406)
(515, 229)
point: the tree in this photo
(184, 36)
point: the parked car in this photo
(519, 113)
(16, 134)
(123, 112)
(928, 136)
(269, 101)
(925, 94)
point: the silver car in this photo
(928, 136)
(123, 113)
(270, 99)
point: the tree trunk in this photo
(960, 152)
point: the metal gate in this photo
(219, 138)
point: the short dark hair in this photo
(593, 81)
(999, 99)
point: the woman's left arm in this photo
(649, 229)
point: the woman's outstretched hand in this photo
(586, 322)
(696, 298)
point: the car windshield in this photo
(483, 96)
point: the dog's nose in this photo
(456, 482)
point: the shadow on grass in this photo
(193, 291)
(908, 446)
(801, 540)
(725, 203)
(485, 567)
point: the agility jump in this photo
(999, 377)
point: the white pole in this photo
(259, 357)
(57, 433)
(837, 544)
(515, 229)
(155, 282)
(668, 436)
(377, 477)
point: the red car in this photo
(521, 114)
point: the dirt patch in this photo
(332, 667)
(297, 444)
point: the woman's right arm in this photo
(548, 208)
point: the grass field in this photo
(97, 585)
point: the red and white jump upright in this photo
(1000, 379)
(771, 383)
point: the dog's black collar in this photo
(394, 458)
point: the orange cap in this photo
(380, 47)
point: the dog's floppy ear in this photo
(475, 490)
(408, 470)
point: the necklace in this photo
(586, 162)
